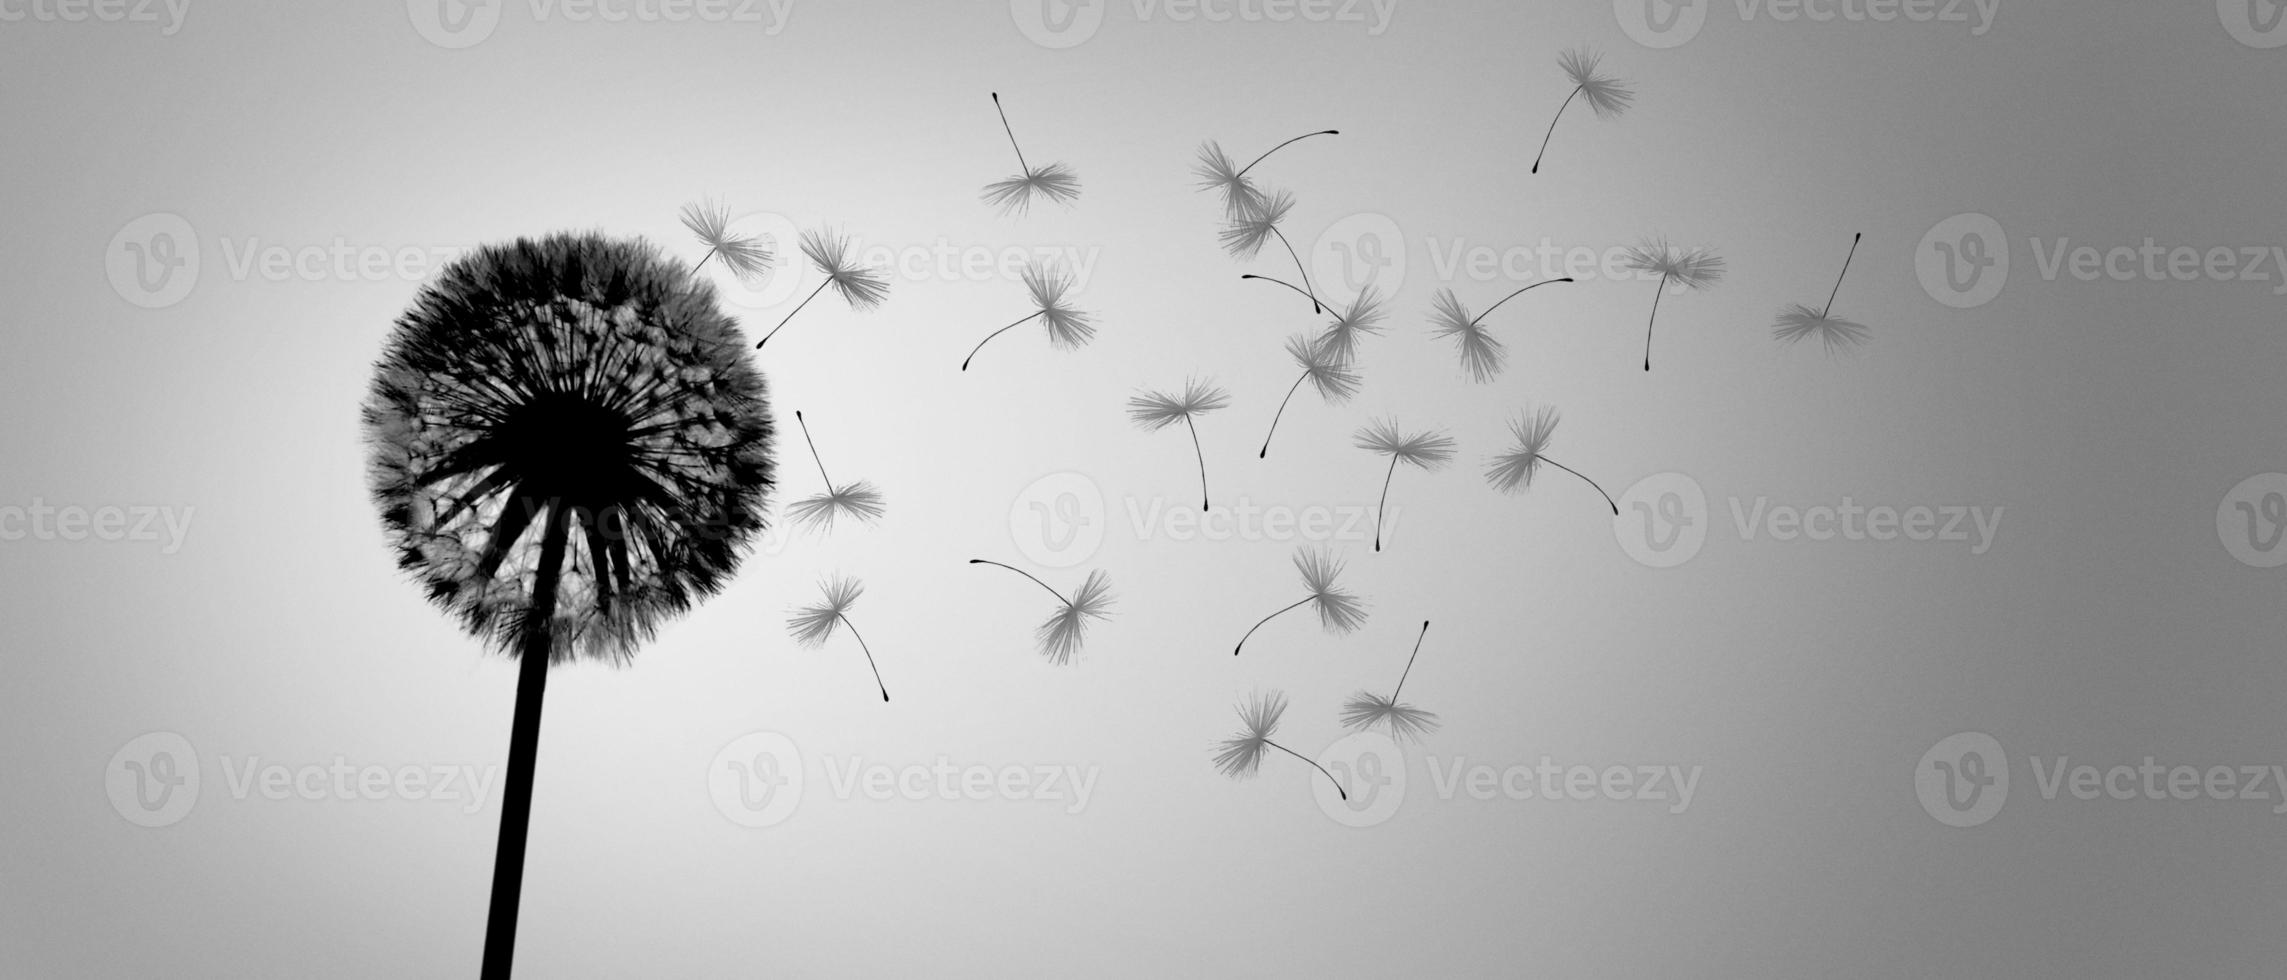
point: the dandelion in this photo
(860, 500)
(813, 625)
(747, 256)
(1333, 382)
(832, 254)
(1056, 182)
(1835, 333)
(1339, 611)
(1481, 354)
(1061, 634)
(1426, 451)
(1513, 471)
(550, 427)
(1217, 172)
(1067, 328)
(1156, 410)
(1246, 235)
(1241, 755)
(1364, 316)
(1608, 97)
(1692, 268)
(1406, 723)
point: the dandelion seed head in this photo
(814, 624)
(1218, 172)
(1155, 410)
(1326, 373)
(1514, 470)
(1067, 327)
(1836, 334)
(1061, 636)
(1482, 355)
(860, 500)
(1339, 610)
(1055, 182)
(1242, 754)
(1363, 316)
(1245, 234)
(1691, 268)
(1608, 97)
(1406, 723)
(860, 286)
(1427, 449)
(747, 256)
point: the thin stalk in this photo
(702, 261)
(1552, 128)
(1584, 477)
(1266, 451)
(1059, 595)
(1323, 132)
(1385, 501)
(1202, 462)
(1409, 660)
(797, 309)
(869, 655)
(988, 338)
(1314, 765)
(523, 750)
(1837, 291)
(1259, 625)
(1307, 288)
(1282, 282)
(814, 452)
(1489, 310)
(1026, 167)
(1655, 319)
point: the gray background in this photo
(2109, 419)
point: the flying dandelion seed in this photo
(747, 256)
(1339, 611)
(1067, 328)
(1056, 182)
(1425, 451)
(1241, 755)
(1836, 334)
(832, 254)
(1217, 172)
(1333, 382)
(860, 500)
(1406, 723)
(813, 625)
(1156, 410)
(1061, 634)
(1692, 268)
(1513, 471)
(1607, 97)
(1363, 317)
(567, 449)
(1246, 235)
(1481, 354)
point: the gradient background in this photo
(2110, 419)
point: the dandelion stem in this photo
(1307, 288)
(814, 452)
(1599, 487)
(1259, 625)
(1266, 451)
(1409, 660)
(1026, 167)
(988, 338)
(523, 749)
(797, 309)
(1489, 310)
(1323, 132)
(1552, 127)
(1282, 282)
(1837, 291)
(1314, 765)
(1059, 595)
(1202, 461)
(1663, 287)
(702, 261)
(1385, 501)
(869, 655)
